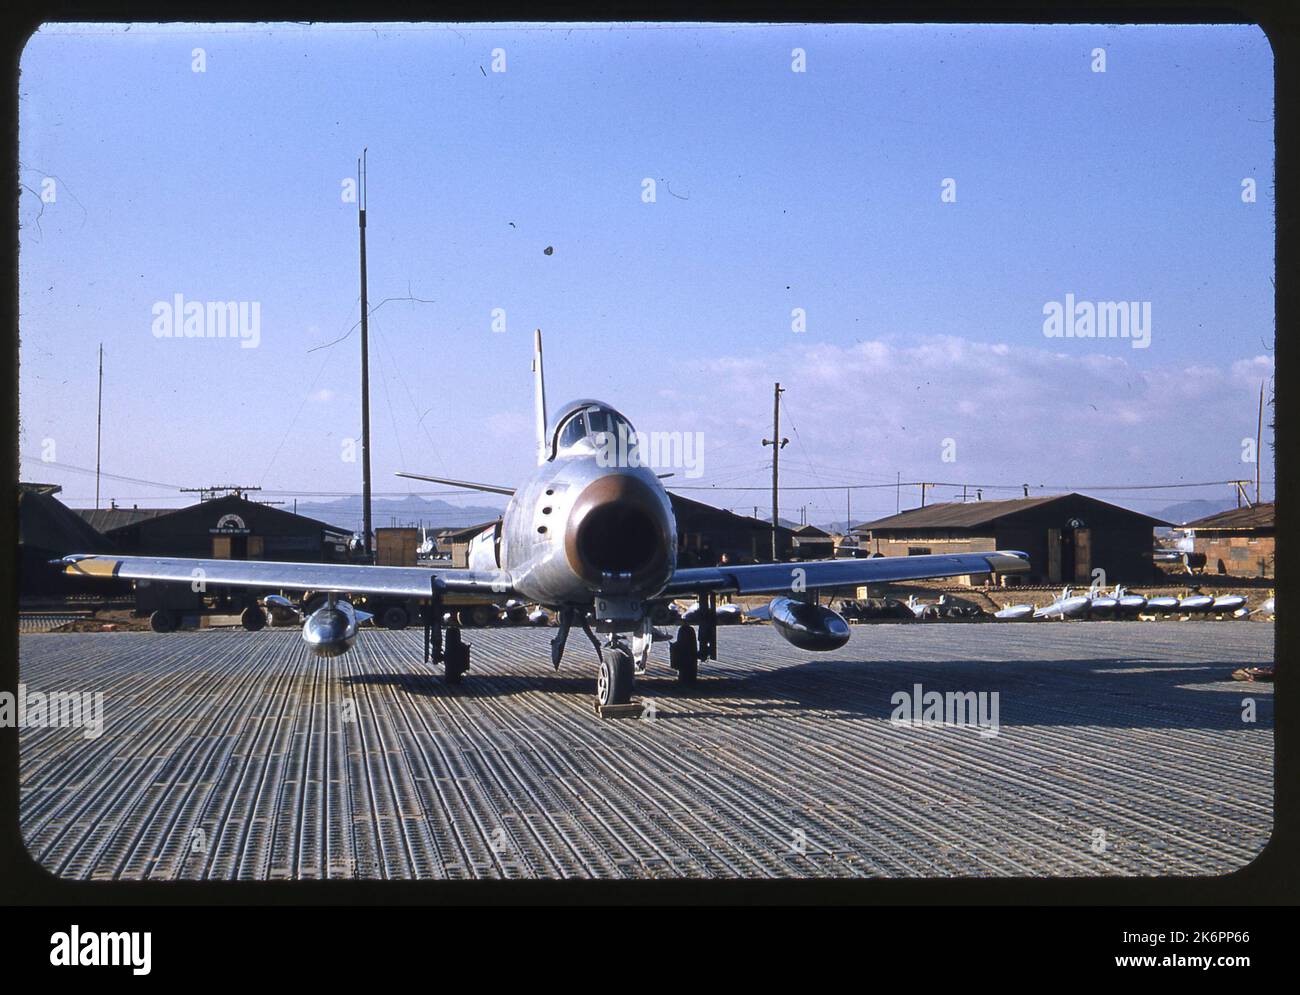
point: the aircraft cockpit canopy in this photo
(584, 421)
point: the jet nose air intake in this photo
(620, 529)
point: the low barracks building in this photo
(1237, 543)
(225, 528)
(1067, 536)
(705, 534)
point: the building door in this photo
(1067, 554)
(1083, 555)
(1053, 556)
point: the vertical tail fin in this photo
(539, 398)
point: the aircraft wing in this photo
(775, 578)
(459, 586)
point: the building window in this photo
(918, 550)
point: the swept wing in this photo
(774, 578)
(457, 585)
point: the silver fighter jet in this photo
(593, 542)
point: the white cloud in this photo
(1017, 414)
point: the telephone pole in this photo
(777, 444)
(99, 420)
(365, 361)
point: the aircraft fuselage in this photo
(580, 532)
(577, 531)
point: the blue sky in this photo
(775, 190)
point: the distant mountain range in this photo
(410, 511)
(1178, 514)
(1188, 511)
(414, 511)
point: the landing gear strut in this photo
(448, 650)
(708, 627)
(561, 637)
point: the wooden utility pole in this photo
(777, 444)
(99, 421)
(365, 360)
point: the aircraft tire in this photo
(395, 617)
(455, 656)
(684, 656)
(253, 618)
(616, 677)
(162, 621)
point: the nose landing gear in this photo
(617, 675)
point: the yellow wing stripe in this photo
(94, 568)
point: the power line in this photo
(943, 483)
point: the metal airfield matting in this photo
(1121, 749)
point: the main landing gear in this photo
(449, 649)
(683, 656)
(687, 652)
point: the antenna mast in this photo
(1259, 438)
(539, 398)
(99, 420)
(365, 361)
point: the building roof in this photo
(696, 514)
(229, 502)
(811, 532)
(45, 523)
(462, 533)
(105, 519)
(977, 514)
(1261, 516)
(30, 487)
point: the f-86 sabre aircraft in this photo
(593, 542)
